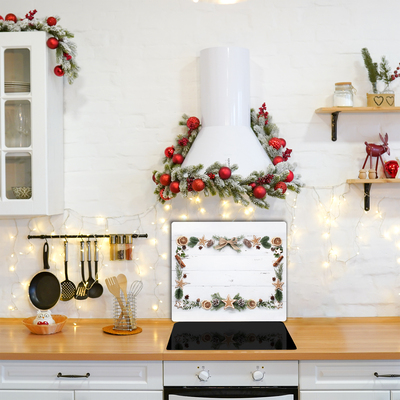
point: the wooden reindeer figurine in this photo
(376, 150)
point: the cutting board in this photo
(228, 271)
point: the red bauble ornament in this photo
(51, 21)
(174, 187)
(161, 195)
(198, 185)
(52, 43)
(283, 142)
(154, 179)
(289, 177)
(58, 70)
(281, 185)
(277, 160)
(275, 143)
(1, 18)
(193, 123)
(225, 173)
(253, 185)
(169, 151)
(165, 179)
(67, 56)
(11, 17)
(259, 192)
(177, 159)
(391, 168)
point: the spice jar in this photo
(120, 247)
(128, 247)
(113, 247)
(343, 95)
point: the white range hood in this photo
(226, 135)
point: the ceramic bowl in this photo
(60, 321)
(22, 192)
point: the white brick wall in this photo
(139, 74)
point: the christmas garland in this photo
(65, 48)
(217, 302)
(218, 178)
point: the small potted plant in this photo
(377, 73)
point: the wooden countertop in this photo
(315, 338)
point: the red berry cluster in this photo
(183, 142)
(30, 15)
(286, 154)
(189, 184)
(396, 73)
(262, 112)
(265, 179)
(211, 176)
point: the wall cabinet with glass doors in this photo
(31, 127)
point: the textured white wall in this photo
(139, 74)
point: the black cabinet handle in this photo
(386, 376)
(60, 375)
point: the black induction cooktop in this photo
(230, 336)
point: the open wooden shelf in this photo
(367, 187)
(335, 111)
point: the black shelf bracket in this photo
(335, 117)
(367, 191)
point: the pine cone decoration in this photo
(210, 243)
(241, 303)
(215, 302)
(247, 243)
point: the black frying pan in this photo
(45, 288)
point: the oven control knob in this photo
(257, 375)
(204, 375)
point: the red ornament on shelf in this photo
(198, 185)
(277, 160)
(177, 159)
(52, 43)
(281, 185)
(253, 185)
(51, 21)
(259, 192)
(1, 18)
(225, 173)
(154, 179)
(193, 123)
(391, 168)
(11, 17)
(165, 179)
(161, 195)
(169, 151)
(289, 177)
(275, 143)
(283, 142)
(174, 187)
(58, 70)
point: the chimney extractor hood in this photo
(226, 135)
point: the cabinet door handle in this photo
(60, 375)
(386, 376)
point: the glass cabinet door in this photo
(17, 67)
(18, 176)
(17, 123)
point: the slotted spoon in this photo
(68, 288)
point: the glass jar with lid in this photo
(343, 95)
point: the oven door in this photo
(231, 393)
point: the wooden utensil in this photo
(123, 284)
(115, 290)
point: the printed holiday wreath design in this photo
(216, 301)
(65, 48)
(218, 178)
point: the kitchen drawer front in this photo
(319, 375)
(35, 395)
(122, 375)
(231, 373)
(118, 395)
(345, 395)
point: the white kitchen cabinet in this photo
(345, 395)
(35, 395)
(356, 380)
(92, 380)
(31, 127)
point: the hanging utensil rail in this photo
(134, 236)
